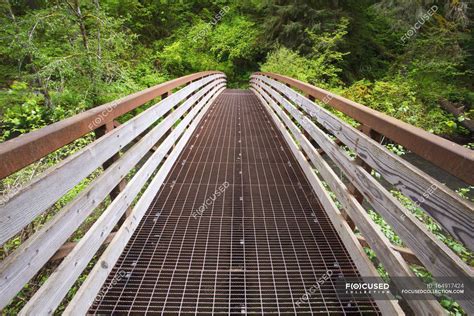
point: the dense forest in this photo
(411, 59)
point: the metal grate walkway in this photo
(236, 229)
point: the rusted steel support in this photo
(453, 158)
(19, 152)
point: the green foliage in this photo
(464, 192)
(26, 112)
(326, 56)
(175, 58)
(287, 62)
(435, 228)
(466, 255)
(400, 99)
(55, 63)
(229, 45)
(128, 45)
(234, 40)
(385, 228)
(396, 149)
(410, 79)
(59, 70)
(320, 67)
(380, 268)
(449, 304)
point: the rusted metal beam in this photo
(19, 152)
(449, 156)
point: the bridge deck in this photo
(261, 242)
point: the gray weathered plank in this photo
(51, 293)
(59, 179)
(18, 268)
(392, 260)
(365, 266)
(455, 215)
(91, 286)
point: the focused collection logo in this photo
(367, 288)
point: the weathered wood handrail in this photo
(48, 188)
(387, 306)
(160, 133)
(453, 158)
(159, 130)
(19, 152)
(454, 213)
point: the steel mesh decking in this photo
(258, 246)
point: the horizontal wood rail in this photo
(454, 214)
(145, 148)
(453, 158)
(350, 240)
(48, 188)
(19, 152)
(313, 128)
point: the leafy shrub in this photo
(398, 98)
(24, 113)
(320, 67)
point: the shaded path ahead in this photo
(236, 228)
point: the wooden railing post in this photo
(164, 96)
(18, 153)
(99, 132)
(442, 203)
(344, 213)
(360, 162)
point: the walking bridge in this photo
(222, 201)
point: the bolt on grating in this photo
(253, 246)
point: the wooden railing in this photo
(312, 131)
(455, 159)
(19, 152)
(151, 142)
(157, 135)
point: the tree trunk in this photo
(99, 47)
(82, 26)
